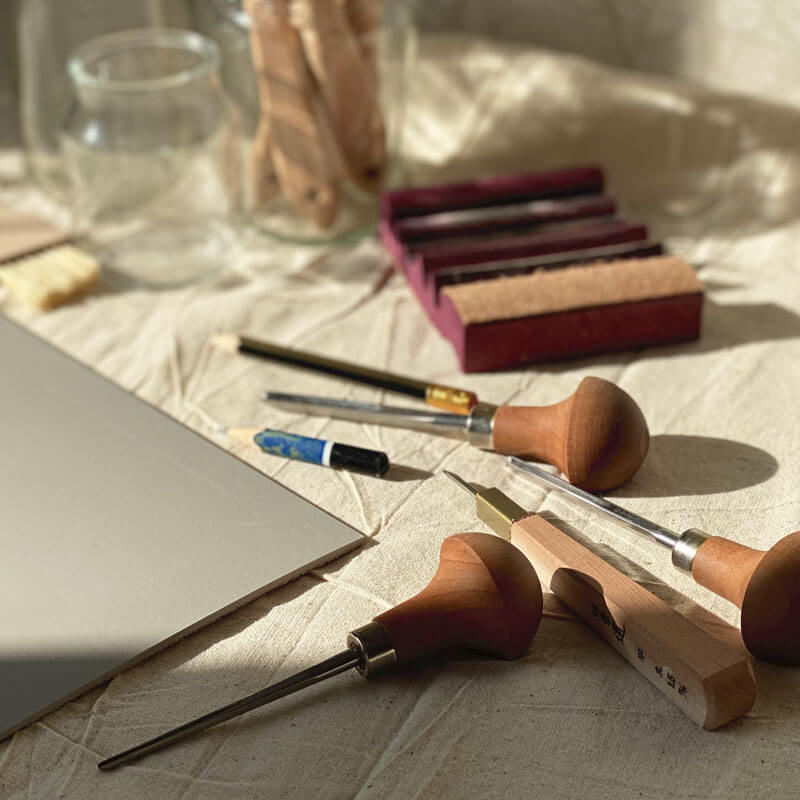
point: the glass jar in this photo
(320, 84)
(151, 148)
(47, 32)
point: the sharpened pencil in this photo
(447, 398)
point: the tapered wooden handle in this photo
(725, 567)
(708, 680)
(347, 86)
(265, 183)
(298, 138)
(765, 585)
(484, 596)
(597, 437)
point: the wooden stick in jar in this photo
(295, 133)
(347, 85)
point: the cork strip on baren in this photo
(571, 288)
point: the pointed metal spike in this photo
(326, 669)
(461, 482)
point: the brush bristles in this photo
(49, 279)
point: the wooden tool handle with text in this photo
(709, 681)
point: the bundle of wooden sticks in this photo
(320, 123)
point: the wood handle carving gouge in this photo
(709, 681)
(485, 596)
(597, 436)
(765, 585)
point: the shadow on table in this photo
(678, 464)
(728, 325)
(399, 473)
(724, 326)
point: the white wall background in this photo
(748, 46)
(743, 46)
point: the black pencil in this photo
(448, 398)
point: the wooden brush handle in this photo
(300, 150)
(265, 182)
(364, 17)
(597, 437)
(348, 89)
(484, 596)
(709, 681)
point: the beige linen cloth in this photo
(717, 177)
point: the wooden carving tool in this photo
(300, 148)
(765, 585)
(485, 596)
(709, 681)
(597, 436)
(348, 89)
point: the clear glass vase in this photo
(47, 32)
(151, 146)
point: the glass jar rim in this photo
(206, 49)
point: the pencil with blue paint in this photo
(313, 451)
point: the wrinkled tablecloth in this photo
(715, 176)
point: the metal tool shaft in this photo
(341, 662)
(664, 536)
(476, 426)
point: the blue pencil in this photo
(313, 451)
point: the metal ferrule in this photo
(498, 511)
(375, 648)
(686, 548)
(480, 424)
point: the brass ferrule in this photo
(498, 511)
(457, 401)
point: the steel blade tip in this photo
(460, 481)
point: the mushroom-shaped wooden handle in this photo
(597, 437)
(484, 596)
(765, 585)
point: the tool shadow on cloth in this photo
(399, 473)
(679, 464)
(724, 325)
(416, 677)
(729, 324)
